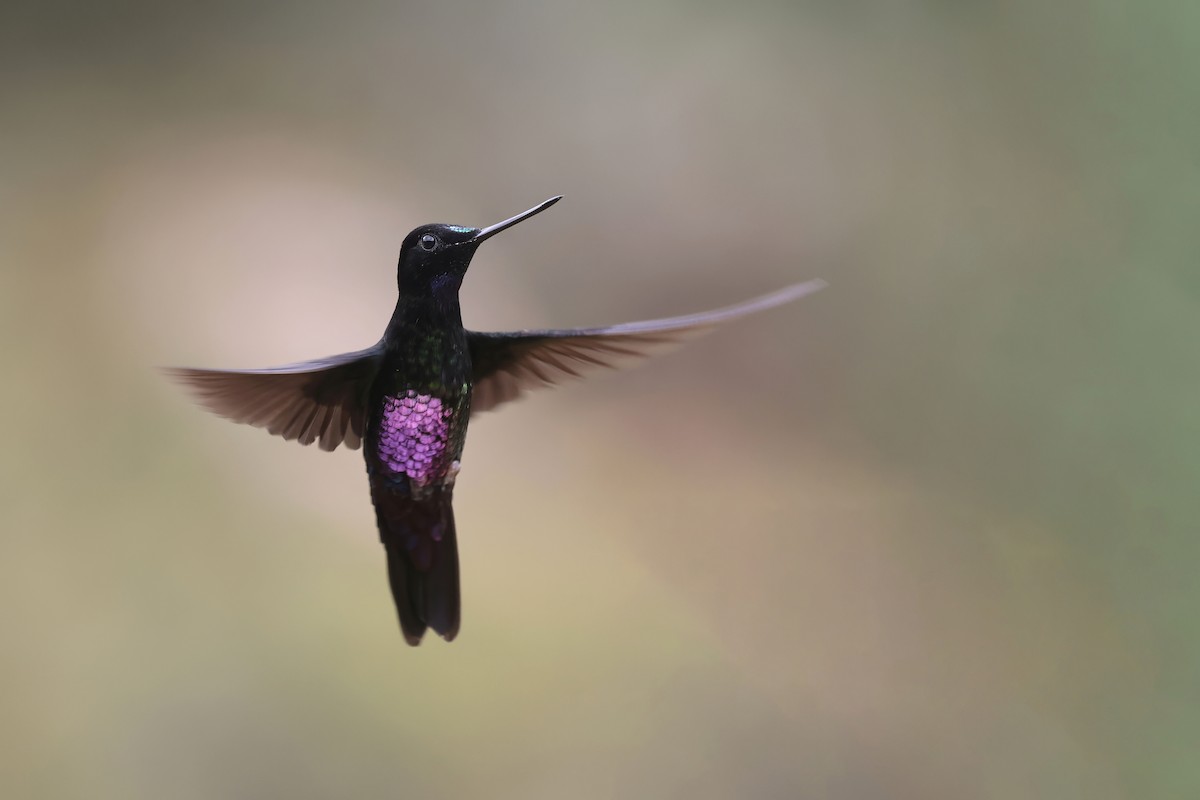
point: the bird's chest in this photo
(418, 421)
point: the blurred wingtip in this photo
(805, 287)
(181, 376)
(179, 373)
(776, 298)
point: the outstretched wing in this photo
(507, 364)
(315, 401)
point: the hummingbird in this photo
(407, 401)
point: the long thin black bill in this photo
(492, 230)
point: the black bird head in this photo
(434, 258)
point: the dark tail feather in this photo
(422, 555)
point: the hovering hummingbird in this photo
(410, 396)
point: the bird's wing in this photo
(507, 364)
(315, 401)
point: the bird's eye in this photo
(428, 242)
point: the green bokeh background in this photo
(932, 533)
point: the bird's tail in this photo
(422, 559)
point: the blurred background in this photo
(931, 533)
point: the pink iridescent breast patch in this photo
(413, 435)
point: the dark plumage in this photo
(409, 398)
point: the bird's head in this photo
(434, 258)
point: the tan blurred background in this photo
(932, 533)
